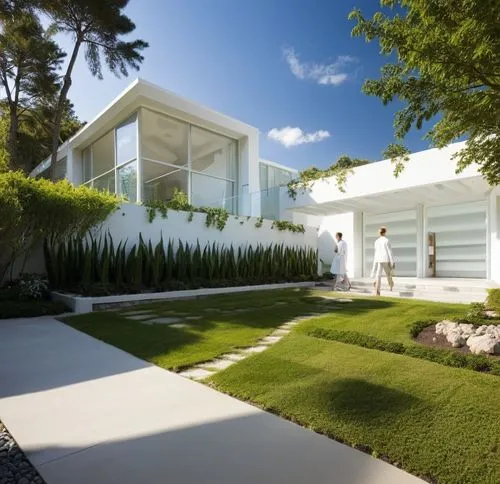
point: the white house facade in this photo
(440, 223)
(150, 142)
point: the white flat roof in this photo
(429, 177)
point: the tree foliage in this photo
(98, 26)
(446, 67)
(29, 60)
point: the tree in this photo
(446, 70)
(29, 60)
(98, 26)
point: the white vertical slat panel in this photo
(461, 233)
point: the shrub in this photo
(98, 266)
(436, 355)
(29, 309)
(34, 209)
(493, 299)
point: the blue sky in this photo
(270, 63)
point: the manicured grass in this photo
(385, 318)
(434, 421)
(223, 328)
(227, 322)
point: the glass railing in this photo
(265, 203)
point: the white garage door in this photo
(401, 231)
(460, 239)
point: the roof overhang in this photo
(429, 178)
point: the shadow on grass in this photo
(365, 402)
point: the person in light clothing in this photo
(383, 260)
(339, 264)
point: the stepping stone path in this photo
(162, 321)
(204, 370)
(141, 317)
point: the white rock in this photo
(440, 327)
(456, 339)
(484, 344)
(481, 330)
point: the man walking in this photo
(383, 260)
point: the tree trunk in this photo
(58, 115)
(12, 139)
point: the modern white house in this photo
(149, 142)
(441, 224)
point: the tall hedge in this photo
(34, 209)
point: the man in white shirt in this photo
(383, 260)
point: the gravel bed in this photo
(15, 468)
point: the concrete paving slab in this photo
(141, 317)
(219, 364)
(162, 321)
(86, 412)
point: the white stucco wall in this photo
(328, 227)
(131, 220)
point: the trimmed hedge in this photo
(444, 357)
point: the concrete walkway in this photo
(85, 412)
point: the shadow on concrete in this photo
(256, 448)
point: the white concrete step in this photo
(439, 296)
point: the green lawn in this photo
(223, 328)
(433, 420)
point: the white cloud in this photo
(289, 136)
(332, 74)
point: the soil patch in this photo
(429, 337)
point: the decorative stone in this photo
(484, 344)
(456, 339)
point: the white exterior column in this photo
(421, 242)
(494, 235)
(358, 244)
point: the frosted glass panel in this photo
(401, 231)
(460, 239)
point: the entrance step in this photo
(443, 290)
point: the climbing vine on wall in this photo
(282, 225)
(215, 217)
(340, 170)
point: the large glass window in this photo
(160, 181)
(126, 141)
(103, 155)
(87, 164)
(213, 154)
(174, 156)
(164, 139)
(212, 192)
(127, 181)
